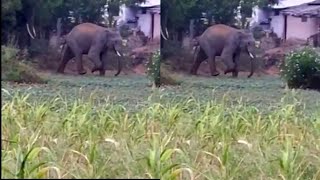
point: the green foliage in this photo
(170, 48)
(301, 69)
(15, 70)
(125, 31)
(176, 14)
(71, 129)
(167, 77)
(153, 68)
(38, 46)
(8, 15)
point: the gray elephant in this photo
(93, 40)
(226, 42)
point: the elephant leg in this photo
(94, 56)
(78, 54)
(103, 68)
(211, 54)
(236, 59)
(227, 58)
(80, 69)
(212, 63)
(66, 56)
(201, 56)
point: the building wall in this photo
(259, 15)
(277, 24)
(157, 26)
(125, 14)
(302, 30)
(144, 23)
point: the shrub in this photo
(166, 78)
(301, 69)
(158, 73)
(153, 68)
(38, 47)
(17, 71)
(170, 48)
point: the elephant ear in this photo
(232, 44)
(247, 37)
(109, 37)
(113, 37)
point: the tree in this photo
(113, 8)
(8, 17)
(176, 14)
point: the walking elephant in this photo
(226, 42)
(93, 40)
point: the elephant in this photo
(93, 40)
(226, 42)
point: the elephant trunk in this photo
(252, 57)
(119, 61)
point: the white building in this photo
(146, 17)
(290, 18)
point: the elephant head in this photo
(115, 43)
(247, 44)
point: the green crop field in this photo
(119, 127)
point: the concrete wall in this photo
(299, 29)
(144, 23)
(277, 24)
(157, 26)
(259, 15)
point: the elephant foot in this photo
(215, 73)
(60, 72)
(82, 72)
(192, 72)
(228, 71)
(235, 74)
(95, 69)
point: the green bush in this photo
(153, 68)
(301, 69)
(15, 70)
(166, 77)
(158, 73)
(170, 48)
(125, 31)
(38, 47)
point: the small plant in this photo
(153, 69)
(166, 78)
(301, 69)
(15, 70)
(170, 48)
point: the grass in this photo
(206, 128)
(16, 70)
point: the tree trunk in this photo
(59, 27)
(110, 18)
(243, 22)
(180, 35)
(191, 29)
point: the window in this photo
(304, 19)
(276, 12)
